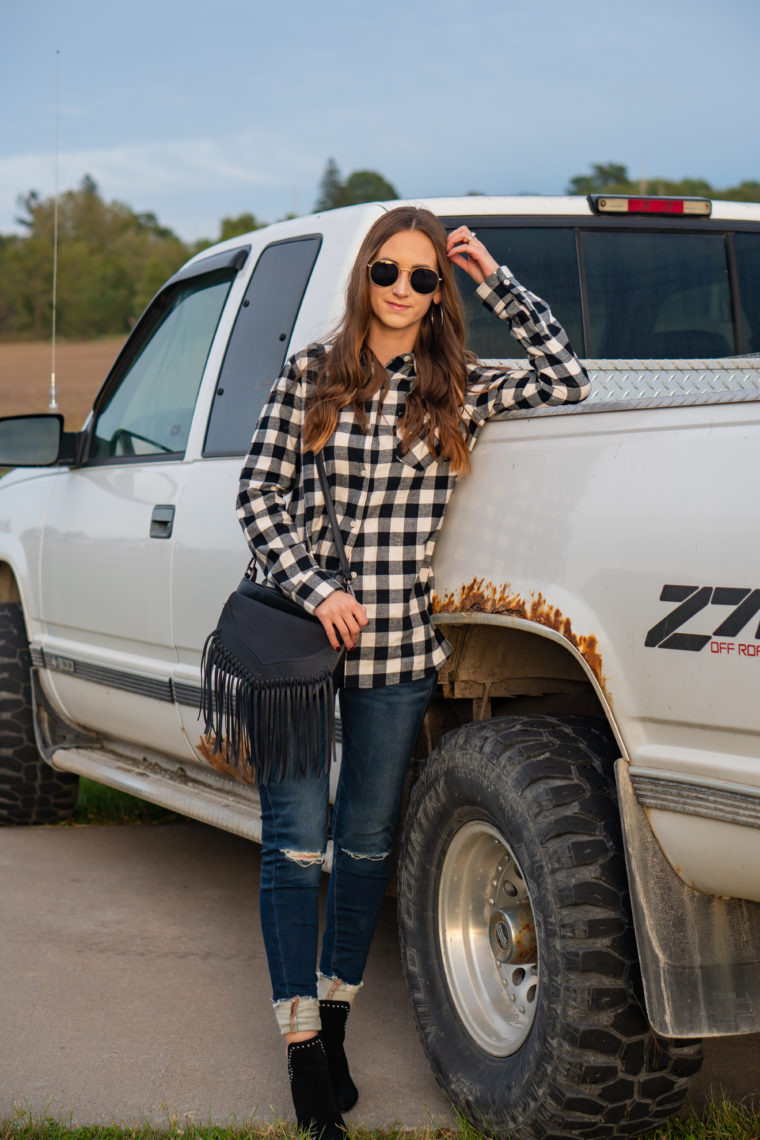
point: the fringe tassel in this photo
(270, 728)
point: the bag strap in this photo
(330, 507)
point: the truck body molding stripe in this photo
(157, 689)
(696, 799)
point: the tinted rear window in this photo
(628, 294)
(542, 259)
(657, 295)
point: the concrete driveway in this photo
(135, 988)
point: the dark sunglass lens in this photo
(424, 280)
(384, 273)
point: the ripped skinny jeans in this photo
(380, 727)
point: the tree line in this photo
(613, 178)
(111, 260)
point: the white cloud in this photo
(247, 158)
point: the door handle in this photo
(162, 521)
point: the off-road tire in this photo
(30, 790)
(588, 1063)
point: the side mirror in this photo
(30, 441)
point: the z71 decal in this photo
(745, 605)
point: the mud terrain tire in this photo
(517, 942)
(30, 790)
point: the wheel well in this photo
(8, 587)
(497, 670)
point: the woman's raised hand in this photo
(469, 253)
(343, 618)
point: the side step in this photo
(185, 788)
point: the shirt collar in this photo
(401, 365)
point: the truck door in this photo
(210, 553)
(108, 540)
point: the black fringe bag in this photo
(267, 679)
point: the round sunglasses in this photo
(385, 273)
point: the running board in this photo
(184, 788)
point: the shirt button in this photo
(354, 574)
(363, 472)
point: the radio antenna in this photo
(53, 402)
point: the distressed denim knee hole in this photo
(370, 856)
(305, 858)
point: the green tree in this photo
(367, 186)
(233, 227)
(603, 179)
(330, 188)
(110, 262)
(613, 178)
(360, 186)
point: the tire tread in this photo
(30, 790)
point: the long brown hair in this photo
(350, 374)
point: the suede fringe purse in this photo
(267, 679)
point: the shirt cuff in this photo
(500, 276)
(500, 293)
(315, 589)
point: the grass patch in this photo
(722, 1120)
(97, 803)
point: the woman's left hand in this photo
(469, 253)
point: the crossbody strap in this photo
(330, 507)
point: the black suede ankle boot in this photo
(312, 1092)
(333, 1032)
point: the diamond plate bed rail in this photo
(628, 385)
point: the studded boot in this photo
(310, 1086)
(333, 1015)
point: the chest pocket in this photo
(419, 455)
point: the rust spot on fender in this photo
(220, 760)
(480, 596)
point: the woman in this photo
(395, 405)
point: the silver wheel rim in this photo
(487, 935)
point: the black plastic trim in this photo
(601, 221)
(229, 259)
(736, 295)
(184, 694)
(152, 687)
(178, 692)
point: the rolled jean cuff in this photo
(333, 989)
(298, 1015)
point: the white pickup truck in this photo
(579, 873)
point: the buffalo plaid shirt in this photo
(389, 505)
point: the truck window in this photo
(635, 293)
(149, 406)
(747, 246)
(259, 341)
(657, 295)
(545, 261)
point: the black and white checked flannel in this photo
(390, 506)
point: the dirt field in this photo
(80, 369)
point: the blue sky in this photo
(196, 110)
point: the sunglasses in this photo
(385, 273)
